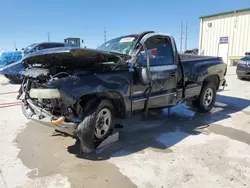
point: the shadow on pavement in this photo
(160, 131)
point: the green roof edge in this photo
(224, 13)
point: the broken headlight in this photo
(44, 93)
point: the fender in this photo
(115, 86)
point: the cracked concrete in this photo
(187, 149)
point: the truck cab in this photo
(83, 91)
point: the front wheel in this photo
(97, 125)
(207, 97)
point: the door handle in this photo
(173, 73)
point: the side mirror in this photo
(142, 67)
(143, 75)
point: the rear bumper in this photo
(35, 113)
(243, 73)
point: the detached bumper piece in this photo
(223, 83)
(33, 112)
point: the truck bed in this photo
(191, 58)
(196, 68)
(193, 64)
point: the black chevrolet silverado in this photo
(82, 91)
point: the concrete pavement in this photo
(187, 149)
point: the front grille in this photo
(54, 106)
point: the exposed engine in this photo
(47, 92)
(34, 88)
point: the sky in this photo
(28, 21)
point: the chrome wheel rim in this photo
(103, 123)
(208, 97)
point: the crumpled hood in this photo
(74, 57)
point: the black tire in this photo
(199, 103)
(14, 79)
(86, 130)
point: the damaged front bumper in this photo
(33, 112)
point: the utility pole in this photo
(105, 35)
(48, 36)
(186, 36)
(181, 37)
(15, 45)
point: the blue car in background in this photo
(11, 63)
(3, 62)
(10, 57)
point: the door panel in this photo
(138, 96)
(164, 86)
(163, 75)
(163, 99)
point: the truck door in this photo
(163, 71)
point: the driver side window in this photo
(159, 51)
(35, 49)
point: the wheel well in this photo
(214, 79)
(87, 101)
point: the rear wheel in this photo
(97, 125)
(207, 97)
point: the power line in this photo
(15, 45)
(105, 35)
(48, 36)
(181, 36)
(186, 36)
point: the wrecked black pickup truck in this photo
(82, 91)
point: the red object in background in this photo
(153, 52)
(10, 104)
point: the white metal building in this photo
(226, 35)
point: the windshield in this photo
(123, 45)
(26, 50)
